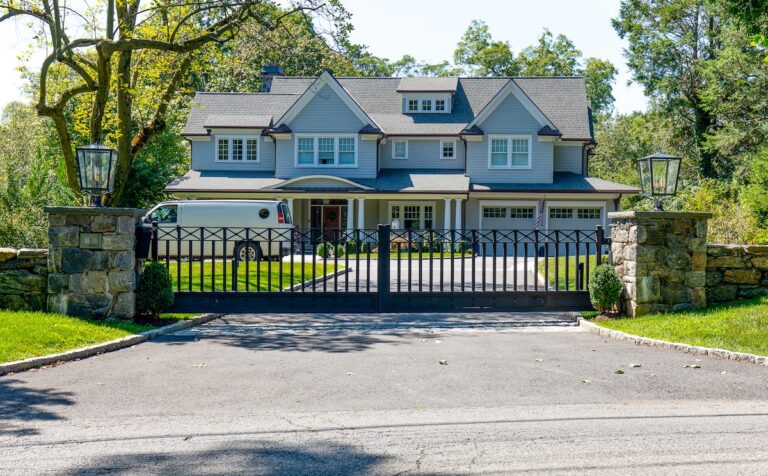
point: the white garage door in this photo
(508, 218)
(575, 218)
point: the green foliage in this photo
(604, 288)
(756, 191)
(323, 250)
(155, 291)
(482, 56)
(31, 177)
(161, 161)
(339, 250)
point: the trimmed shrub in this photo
(604, 288)
(340, 250)
(155, 291)
(365, 247)
(322, 250)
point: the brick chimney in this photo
(267, 73)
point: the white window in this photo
(588, 213)
(494, 212)
(400, 149)
(326, 150)
(346, 151)
(447, 149)
(436, 103)
(509, 152)
(413, 216)
(326, 153)
(252, 150)
(237, 149)
(222, 151)
(560, 213)
(521, 212)
(305, 151)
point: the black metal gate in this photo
(381, 270)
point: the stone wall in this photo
(661, 258)
(736, 271)
(92, 261)
(23, 279)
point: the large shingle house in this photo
(440, 153)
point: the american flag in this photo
(540, 216)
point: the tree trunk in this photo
(702, 120)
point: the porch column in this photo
(447, 215)
(361, 213)
(290, 206)
(458, 224)
(350, 215)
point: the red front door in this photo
(331, 222)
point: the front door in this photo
(331, 222)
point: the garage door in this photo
(576, 218)
(506, 219)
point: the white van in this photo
(198, 228)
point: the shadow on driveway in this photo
(342, 333)
(257, 457)
(19, 404)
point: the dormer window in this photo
(426, 103)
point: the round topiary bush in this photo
(340, 250)
(604, 288)
(155, 291)
(322, 250)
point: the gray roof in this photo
(237, 120)
(562, 99)
(416, 85)
(249, 105)
(215, 181)
(395, 180)
(563, 182)
(418, 180)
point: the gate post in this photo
(382, 290)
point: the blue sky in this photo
(430, 29)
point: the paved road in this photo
(360, 394)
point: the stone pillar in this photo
(92, 261)
(661, 258)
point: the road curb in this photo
(117, 344)
(687, 348)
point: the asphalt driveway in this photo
(343, 394)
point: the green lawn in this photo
(32, 334)
(259, 275)
(740, 326)
(572, 268)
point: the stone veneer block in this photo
(662, 258)
(23, 279)
(100, 281)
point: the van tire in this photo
(252, 249)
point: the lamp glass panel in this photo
(672, 173)
(660, 167)
(645, 175)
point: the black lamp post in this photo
(96, 166)
(659, 174)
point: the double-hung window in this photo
(447, 149)
(439, 104)
(237, 149)
(413, 105)
(509, 152)
(400, 149)
(412, 216)
(326, 151)
(426, 105)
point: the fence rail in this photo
(287, 260)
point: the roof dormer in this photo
(427, 95)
